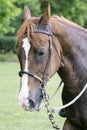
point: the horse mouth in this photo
(30, 101)
(32, 106)
(31, 109)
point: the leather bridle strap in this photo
(45, 78)
(46, 31)
(49, 33)
(31, 75)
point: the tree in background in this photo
(74, 10)
(10, 12)
(34, 6)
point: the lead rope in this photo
(49, 112)
(71, 102)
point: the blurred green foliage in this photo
(7, 44)
(8, 12)
(11, 10)
(74, 10)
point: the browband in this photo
(47, 32)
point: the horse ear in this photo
(46, 16)
(26, 15)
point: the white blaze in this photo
(24, 92)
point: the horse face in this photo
(33, 54)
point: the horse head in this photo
(39, 54)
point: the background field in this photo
(12, 116)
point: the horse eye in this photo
(41, 53)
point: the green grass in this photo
(12, 116)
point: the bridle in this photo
(43, 81)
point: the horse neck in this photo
(70, 35)
(73, 41)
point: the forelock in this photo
(26, 29)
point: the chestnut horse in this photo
(48, 45)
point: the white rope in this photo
(71, 102)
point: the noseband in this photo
(49, 33)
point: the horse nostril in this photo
(32, 104)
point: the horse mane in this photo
(28, 26)
(68, 23)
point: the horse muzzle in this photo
(29, 101)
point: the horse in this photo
(47, 45)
